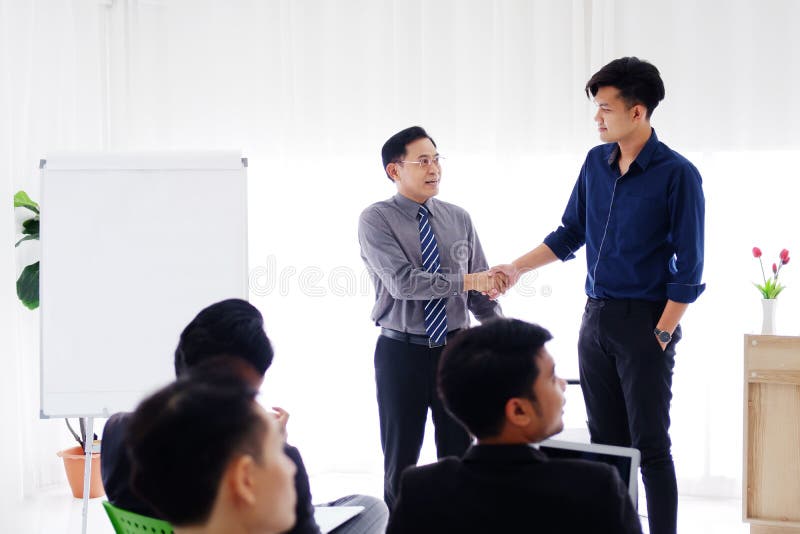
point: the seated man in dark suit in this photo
(229, 334)
(499, 381)
(210, 459)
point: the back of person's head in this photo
(638, 82)
(233, 328)
(187, 440)
(394, 149)
(487, 365)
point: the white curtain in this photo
(10, 392)
(309, 90)
(52, 99)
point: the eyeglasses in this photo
(426, 162)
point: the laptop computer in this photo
(626, 460)
(331, 517)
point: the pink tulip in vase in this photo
(770, 289)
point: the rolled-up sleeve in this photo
(571, 235)
(687, 218)
(386, 261)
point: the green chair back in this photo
(126, 522)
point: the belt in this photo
(416, 339)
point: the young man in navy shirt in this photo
(638, 206)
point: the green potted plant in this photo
(28, 293)
(28, 281)
(74, 459)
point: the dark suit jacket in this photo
(512, 488)
(116, 470)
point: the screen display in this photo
(621, 463)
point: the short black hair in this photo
(638, 81)
(183, 437)
(232, 327)
(395, 148)
(485, 366)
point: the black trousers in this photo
(626, 380)
(405, 378)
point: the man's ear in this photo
(518, 412)
(391, 170)
(639, 112)
(241, 479)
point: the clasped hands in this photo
(493, 282)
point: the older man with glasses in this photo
(429, 270)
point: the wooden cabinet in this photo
(771, 478)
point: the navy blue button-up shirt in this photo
(643, 231)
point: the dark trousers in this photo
(626, 380)
(405, 378)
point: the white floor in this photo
(55, 511)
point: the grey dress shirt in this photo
(388, 232)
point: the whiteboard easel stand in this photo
(214, 226)
(88, 449)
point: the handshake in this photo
(494, 282)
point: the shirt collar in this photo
(411, 208)
(644, 156)
(521, 454)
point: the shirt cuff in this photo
(684, 293)
(561, 250)
(454, 282)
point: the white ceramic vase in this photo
(768, 324)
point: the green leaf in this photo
(22, 200)
(777, 291)
(771, 289)
(761, 290)
(27, 238)
(28, 286)
(31, 226)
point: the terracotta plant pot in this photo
(74, 466)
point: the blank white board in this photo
(133, 246)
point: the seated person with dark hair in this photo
(229, 335)
(499, 381)
(210, 459)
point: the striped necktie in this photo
(435, 313)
